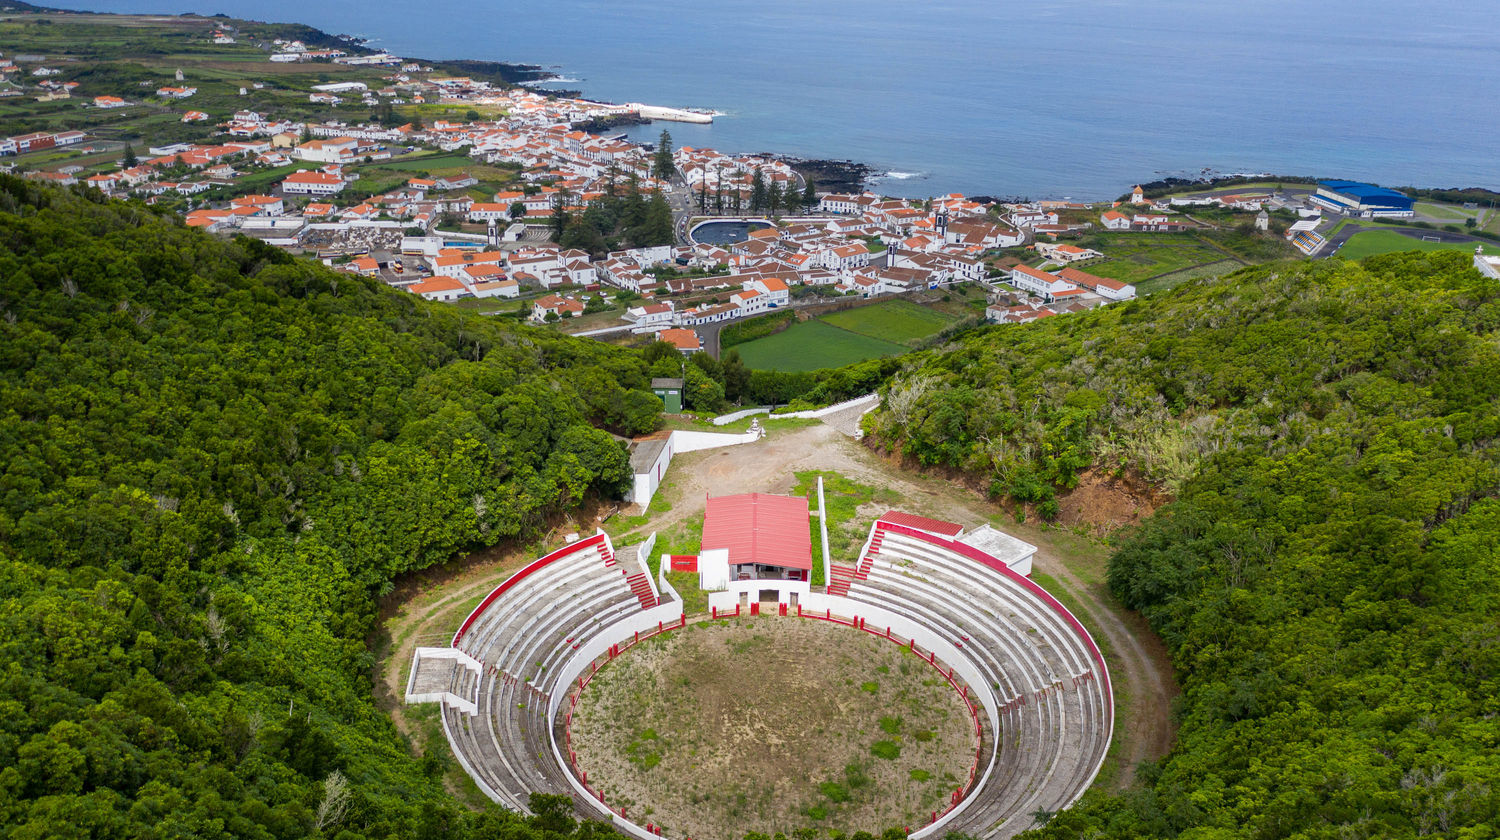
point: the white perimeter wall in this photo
(645, 484)
(668, 613)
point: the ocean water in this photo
(1068, 98)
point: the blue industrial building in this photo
(1360, 199)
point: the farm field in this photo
(1375, 242)
(1163, 282)
(772, 724)
(813, 345)
(899, 321)
(1135, 257)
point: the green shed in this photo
(670, 391)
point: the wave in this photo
(895, 175)
(553, 81)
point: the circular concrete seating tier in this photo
(1050, 686)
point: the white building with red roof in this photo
(755, 537)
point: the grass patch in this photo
(899, 321)
(888, 750)
(920, 775)
(869, 687)
(842, 499)
(694, 600)
(834, 791)
(814, 345)
(890, 725)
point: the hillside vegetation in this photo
(213, 459)
(1326, 577)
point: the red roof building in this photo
(933, 526)
(767, 537)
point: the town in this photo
(496, 204)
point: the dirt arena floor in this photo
(772, 724)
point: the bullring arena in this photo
(1022, 670)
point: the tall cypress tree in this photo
(810, 195)
(663, 166)
(757, 192)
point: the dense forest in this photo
(1327, 577)
(213, 460)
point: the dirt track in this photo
(426, 610)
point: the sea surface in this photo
(1067, 98)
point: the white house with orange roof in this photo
(1063, 253)
(651, 314)
(268, 205)
(774, 288)
(312, 183)
(502, 287)
(367, 266)
(1105, 287)
(685, 340)
(333, 150)
(579, 267)
(484, 211)
(555, 305)
(439, 288)
(452, 262)
(1114, 220)
(846, 257)
(1038, 282)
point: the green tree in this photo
(700, 392)
(810, 195)
(792, 199)
(657, 229)
(736, 376)
(560, 216)
(129, 160)
(757, 192)
(662, 164)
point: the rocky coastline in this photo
(844, 176)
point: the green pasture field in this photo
(813, 345)
(898, 321)
(431, 163)
(1134, 261)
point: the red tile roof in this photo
(935, 526)
(760, 528)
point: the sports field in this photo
(813, 345)
(900, 321)
(1374, 242)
